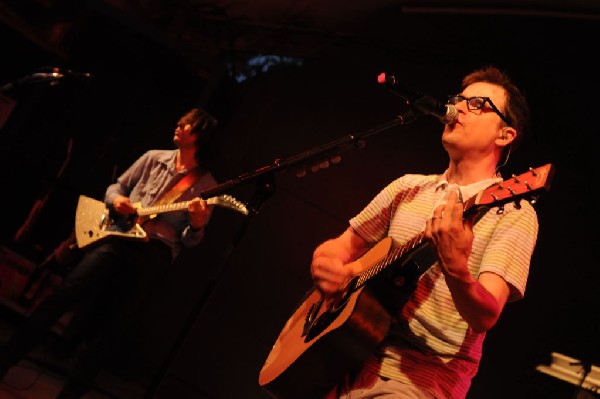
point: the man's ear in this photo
(507, 136)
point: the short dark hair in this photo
(516, 108)
(203, 125)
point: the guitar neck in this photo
(154, 210)
(402, 250)
(498, 194)
(176, 206)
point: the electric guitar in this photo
(94, 222)
(324, 339)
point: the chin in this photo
(448, 141)
(446, 136)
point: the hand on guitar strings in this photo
(199, 212)
(452, 237)
(329, 274)
(123, 205)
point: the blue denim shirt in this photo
(145, 181)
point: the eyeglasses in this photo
(477, 102)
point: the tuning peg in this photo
(518, 204)
(533, 172)
(534, 200)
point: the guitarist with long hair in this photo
(434, 343)
(113, 276)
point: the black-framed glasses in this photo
(476, 103)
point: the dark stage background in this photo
(74, 137)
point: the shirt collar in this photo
(167, 157)
(469, 190)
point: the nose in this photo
(461, 107)
(461, 104)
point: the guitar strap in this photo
(186, 182)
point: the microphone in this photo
(446, 113)
(51, 75)
(58, 73)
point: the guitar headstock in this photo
(227, 201)
(526, 185)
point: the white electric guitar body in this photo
(94, 222)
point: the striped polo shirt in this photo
(429, 344)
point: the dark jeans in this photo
(109, 285)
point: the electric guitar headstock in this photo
(227, 201)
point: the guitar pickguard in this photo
(93, 223)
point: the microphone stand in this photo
(265, 182)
